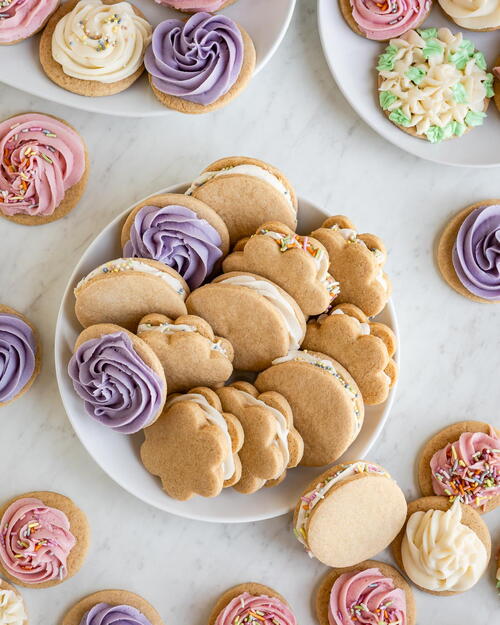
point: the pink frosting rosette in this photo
(41, 159)
(35, 541)
(388, 19)
(19, 19)
(193, 5)
(366, 597)
(262, 609)
(468, 469)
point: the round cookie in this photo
(256, 590)
(93, 88)
(322, 600)
(12, 609)
(470, 518)
(496, 83)
(447, 249)
(29, 352)
(439, 441)
(178, 230)
(193, 6)
(75, 615)
(78, 527)
(63, 185)
(23, 19)
(180, 86)
(479, 16)
(246, 192)
(339, 518)
(124, 290)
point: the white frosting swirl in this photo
(473, 14)
(101, 42)
(12, 610)
(440, 553)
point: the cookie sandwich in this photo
(193, 447)
(361, 346)
(43, 168)
(246, 193)
(20, 19)
(119, 378)
(124, 290)
(298, 264)
(339, 518)
(112, 606)
(271, 443)
(201, 64)
(327, 406)
(434, 84)
(357, 262)
(44, 539)
(261, 321)
(188, 350)
(468, 254)
(462, 462)
(12, 608)
(179, 231)
(444, 547)
(95, 47)
(20, 355)
(251, 602)
(369, 592)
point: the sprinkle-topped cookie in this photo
(434, 84)
(19, 19)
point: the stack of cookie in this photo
(216, 286)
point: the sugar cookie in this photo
(21, 19)
(192, 6)
(12, 608)
(478, 15)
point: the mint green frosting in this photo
(435, 134)
(386, 60)
(416, 74)
(398, 117)
(427, 33)
(474, 118)
(464, 52)
(386, 98)
(459, 93)
(432, 48)
(488, 85)
(480, 60)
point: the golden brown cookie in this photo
(246, 192)
(322, 600)
(261, 321)
(364, 348)
(496, 85)
(451, 434)
(470, 518)
(5, 591)
(193, 447)
(78, 526)
(75, 614)
(299, 265)
(445, 248)
(6, 310)
(55, 72)
(357, 263)
(340, 519)
(271, 443)
(124, 290)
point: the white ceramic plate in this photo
(352, 60)
(266, 21)
(118, 454)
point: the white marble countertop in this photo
(292, 115)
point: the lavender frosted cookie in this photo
(112, 607)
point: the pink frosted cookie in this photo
(19, 19)
(192, 6)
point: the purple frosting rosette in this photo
(118, 388)
(176, 236)
(198, 60)
(106, 614)
(476, 253)
(17, 355)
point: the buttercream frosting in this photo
(193, 5)
(280, 303)
(468, 469)
(198, 60)
(106, 614)
(216, 418)
(19, 19)
(247, 608)
(440, 553)
(173, 328)
(41, 158)
(473, 14)
(176, 236)
(388, 19)
(119, 389)
(35, 541)
(12, 610)
(17, 355)
(434, 82)
(476, 252)
(101, 42)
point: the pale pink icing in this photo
(468, 469)
(193, 5)
(388, 19)
(270, 611)
(35, 541)
(496, 71)
(41, 159)
(19, 19)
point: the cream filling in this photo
(128, 264)
(278, 236)
(271, 293)
(215, 417)
(364, 328)
(172, 328)
(245, 170)
(12, 610)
